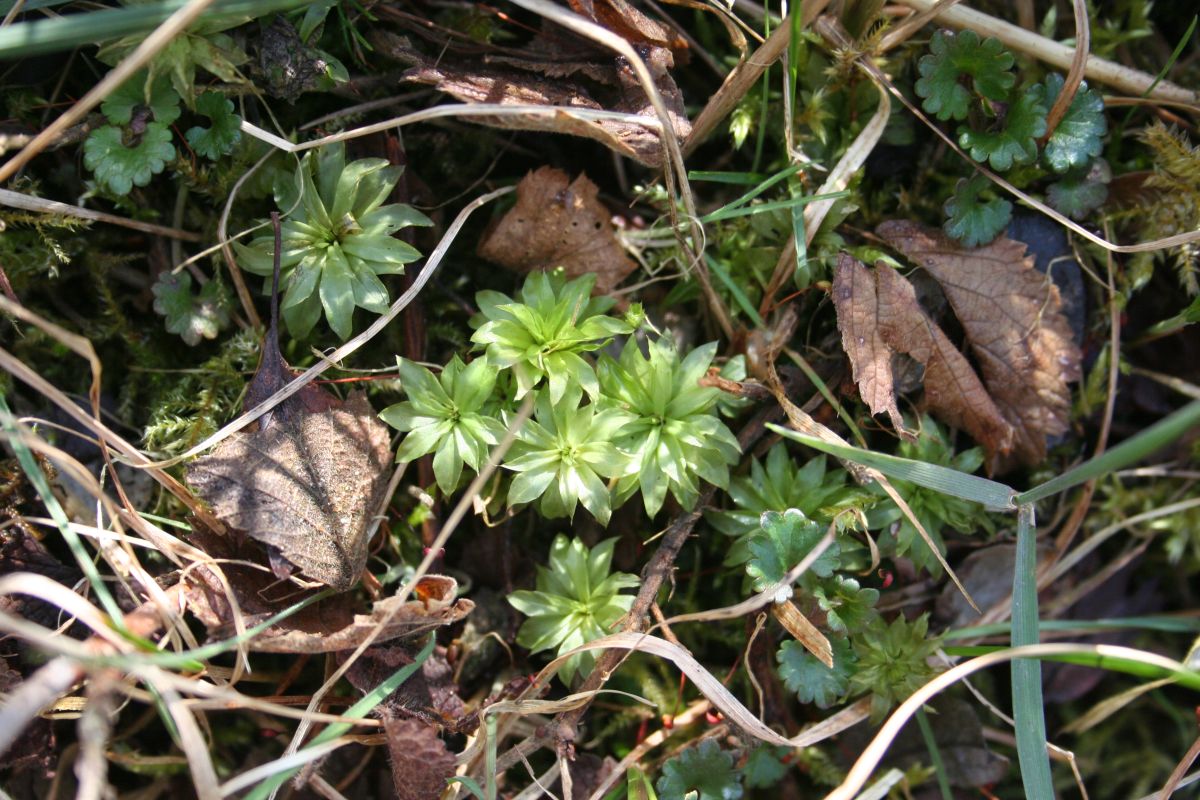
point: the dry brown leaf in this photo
(324, 627)
(557, 222)
(1012, 316)
(306, 481)
(885, 311)
(855, 300)
(421, 764)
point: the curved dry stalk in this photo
(712, 688)
(1083, 45)
(1098, 70)
(157, 40)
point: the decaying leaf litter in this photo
(302, 538)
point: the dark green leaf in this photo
(1079, 135)
(119, 167)
(785, 540)
(1013, 138)
(224, 133)
(191, 316)
(954, 56)
(812, 681)
(971, 219)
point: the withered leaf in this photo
(558, 222)
(1012, 316)
(878, 316)
(305, 481)
(421, 764)
(306, 485)
(855, 301)
(325, 627)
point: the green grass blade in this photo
(1028, 712)
(739, 296)
(935, 755)
(89, 28)
(735, 178)
(722, 214)
(1156, 436)
(357, 711)
(942, 479)
(1189, 679)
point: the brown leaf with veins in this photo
(557, 222)
(1012, 316)
(879, 316)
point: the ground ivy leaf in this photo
(785, 539)
(191, 316)
(1078, 137)
(163, 102)
(1015, 143)
(119, 167)
(953, 55)
(225, 132)
(812, 681)
(972, 220)
(705, 770)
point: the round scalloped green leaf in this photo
(954, 55)
(1016, 142)
(972, 220)
(1079, 136)
(812, 681)
(120, 168)
(223, 134)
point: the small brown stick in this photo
(1083, 44)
